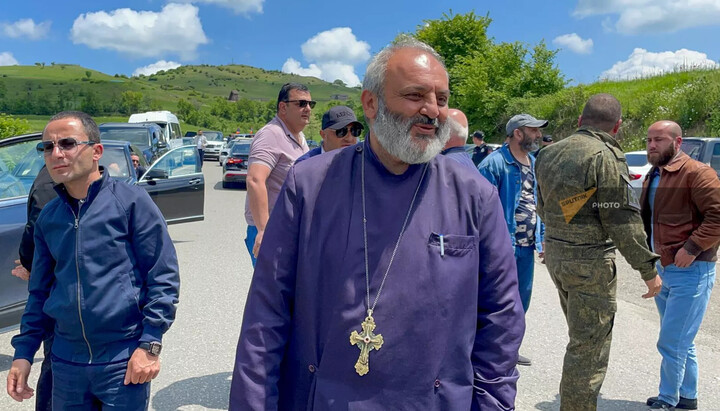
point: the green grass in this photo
(199, 84)
(690, 98)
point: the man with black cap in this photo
(481, 149)
(511, 170)
(340, 128)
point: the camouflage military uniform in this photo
(585, 199)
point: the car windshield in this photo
(692, 148)
(213, 136)
(115, 161)
(137, 136)
(636, 160)
(19, 164)
(240, 148)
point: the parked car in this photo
(236, 166)
(703, 149)
(215, 142)
(146, 136)
(225, 151)
(174, 182)
(638, 167)
(167, 121)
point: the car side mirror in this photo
(156, 174)
(162, 144)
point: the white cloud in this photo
(653, 16)
(643, 63)
(338, 44)
(333, 55)
(176, 29)
(7, 59)
(153, 68)
(26, 28)
(574, 43)
(293, 66)
(238, 6)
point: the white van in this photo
(166, 120)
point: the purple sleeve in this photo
(500, 317)
(267, 316)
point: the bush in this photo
(11, 126)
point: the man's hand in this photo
(17, 378)
(20, 271)
(258, 240)
(654, 286)
(142, 367)
(683, 258)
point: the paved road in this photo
(215, 269)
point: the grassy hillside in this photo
(36, 92)
(691, 98)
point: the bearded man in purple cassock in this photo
(386, 279)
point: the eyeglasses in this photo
(355, 130)
(303, 103)
(65, 144)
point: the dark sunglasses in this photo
(65, 144)
(303, 103)
(355, 130)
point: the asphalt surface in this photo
(199, 349)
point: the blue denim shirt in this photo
(503, 171)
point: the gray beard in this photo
(393, 133)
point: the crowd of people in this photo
(402, 248)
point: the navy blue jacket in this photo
(312, 153)
(107, 278)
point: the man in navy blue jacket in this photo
(340, 129)
(105, 273)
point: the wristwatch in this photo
(153, 348)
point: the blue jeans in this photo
(525, 261)
(682, 303)
(252, 232)
(96, 387)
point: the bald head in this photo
(664, 141)
(602, 111)
(671, 128)
(458, 128)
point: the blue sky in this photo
(335, 39)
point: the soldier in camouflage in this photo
(589, 209)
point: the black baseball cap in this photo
(338, 117)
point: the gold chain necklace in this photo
(367, 340)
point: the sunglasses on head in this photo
(65, 144)
(355, 130)
(303, 103)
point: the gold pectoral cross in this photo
(366, 341)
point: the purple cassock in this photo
(451, 318)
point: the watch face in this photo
(155, 348)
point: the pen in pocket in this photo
(442, 246)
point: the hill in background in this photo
(42, 90)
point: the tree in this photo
(91, 104)
(455, 36)
(88, 73)
(130, 101)
(11, 126)
(339, 82)
(484, 75)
